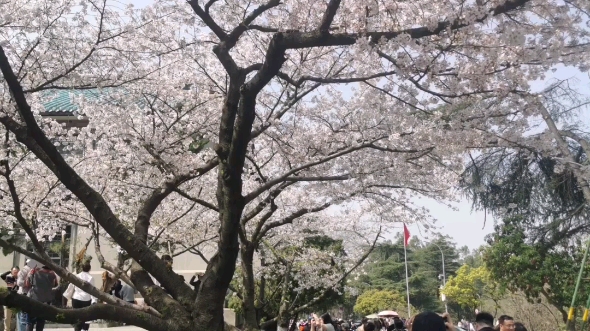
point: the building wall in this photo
(185, 264)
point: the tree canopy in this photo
(470, 287)
(522, 267)
(226, 126)
(386, 270)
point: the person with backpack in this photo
(40, 283)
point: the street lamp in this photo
(444, 274)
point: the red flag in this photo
(406, 235)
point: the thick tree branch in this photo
(237, 32)
(37, 142)
(295, 40)
(583, 142)
(73, 316)
(329, 15)
(71, 278)
(208, 5)
(204, 15)
(326, 80)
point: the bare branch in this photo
(268, 200)
(149, 206)
(196, 200)
(193, 247)
(107, 265)
(346, 274)
(261, 231)
(330, 157)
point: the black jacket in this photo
(195, 283)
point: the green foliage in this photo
(533, 269)
(374, 301)
(198, 144)
(12, 236)
(386, 270)
(545, 198)
(470, 286)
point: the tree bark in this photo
(221, 267)
(249, 285)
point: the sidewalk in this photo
(97, 328)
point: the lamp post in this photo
(444, 274)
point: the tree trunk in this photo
(249, 285)
(220, 270)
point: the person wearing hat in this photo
(196, 281)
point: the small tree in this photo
(470, 287)
(374, 301)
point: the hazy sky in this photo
(467, 228)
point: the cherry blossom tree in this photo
(222, 125)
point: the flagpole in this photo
(407, 282)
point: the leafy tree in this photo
(530, 184)
(520, 266)
(386, 270)
(470, 287)
(280, 267)
(374, 301)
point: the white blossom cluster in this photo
(345, 139)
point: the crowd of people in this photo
(38, 282)
(426, 321)
(387, 324)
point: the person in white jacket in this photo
(21, 317)
(81, 299)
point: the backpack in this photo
(41, 282)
